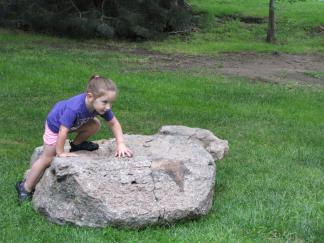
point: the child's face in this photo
(104, 102)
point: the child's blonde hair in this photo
(98, 85)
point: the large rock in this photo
(170, 177)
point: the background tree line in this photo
(133, 19)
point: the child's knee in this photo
(46, 160)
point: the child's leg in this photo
(38, 168)
(87, 130)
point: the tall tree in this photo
(271, 33)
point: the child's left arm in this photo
(121, 148)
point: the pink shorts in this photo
(49, 137)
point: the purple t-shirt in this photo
(72, 114)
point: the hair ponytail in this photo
(98, 85)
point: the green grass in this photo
(269, 187)
(315, 74)
(297, 28)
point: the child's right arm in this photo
(62, 135)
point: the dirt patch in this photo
(274, 67)
(269, 67)
(265, 67)
(244, 19)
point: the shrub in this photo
(134, 19)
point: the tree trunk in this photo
(271, 35)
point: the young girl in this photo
(77, 114)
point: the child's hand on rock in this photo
(123, 151)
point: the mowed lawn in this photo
(269, 188)
(225, 28)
